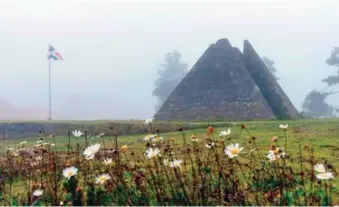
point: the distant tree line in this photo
(315, 104)
(171, 72)
(270, 66)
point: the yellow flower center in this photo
(70, 174)
(235, 151)
(102, 179)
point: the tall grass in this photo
(208, 169)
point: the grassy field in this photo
(302, 135)
(323, 135)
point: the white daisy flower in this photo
(282, 155)
(69, 172)
(148, 121)
(175, 164)
(77, 133)
(278, 152)
(101, 179)
(38, 193)
(320, 168)
(22, 143)
(149, 137)
(157, 139)
(271, 156)
(90, 151)
(210, 145)
(107, 161)
(282, 126)
(233, 150)
(39, 142)
(225, 133)
(53, 145)
(37, 145)
(89, 157)
(194, 138)
(325, 176)
(151, 153)
(166, 162)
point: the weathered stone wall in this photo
(218, 87)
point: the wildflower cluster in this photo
(174, 170)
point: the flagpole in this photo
(50, 95)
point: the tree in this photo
(315, 105)
(171, 73)
(270, 66)
(333, 61)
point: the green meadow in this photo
(323, 135)
(300, 138)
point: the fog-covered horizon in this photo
(112, 49)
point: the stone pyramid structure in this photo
(275, 96)
(226, 84)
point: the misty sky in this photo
(112, 50)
